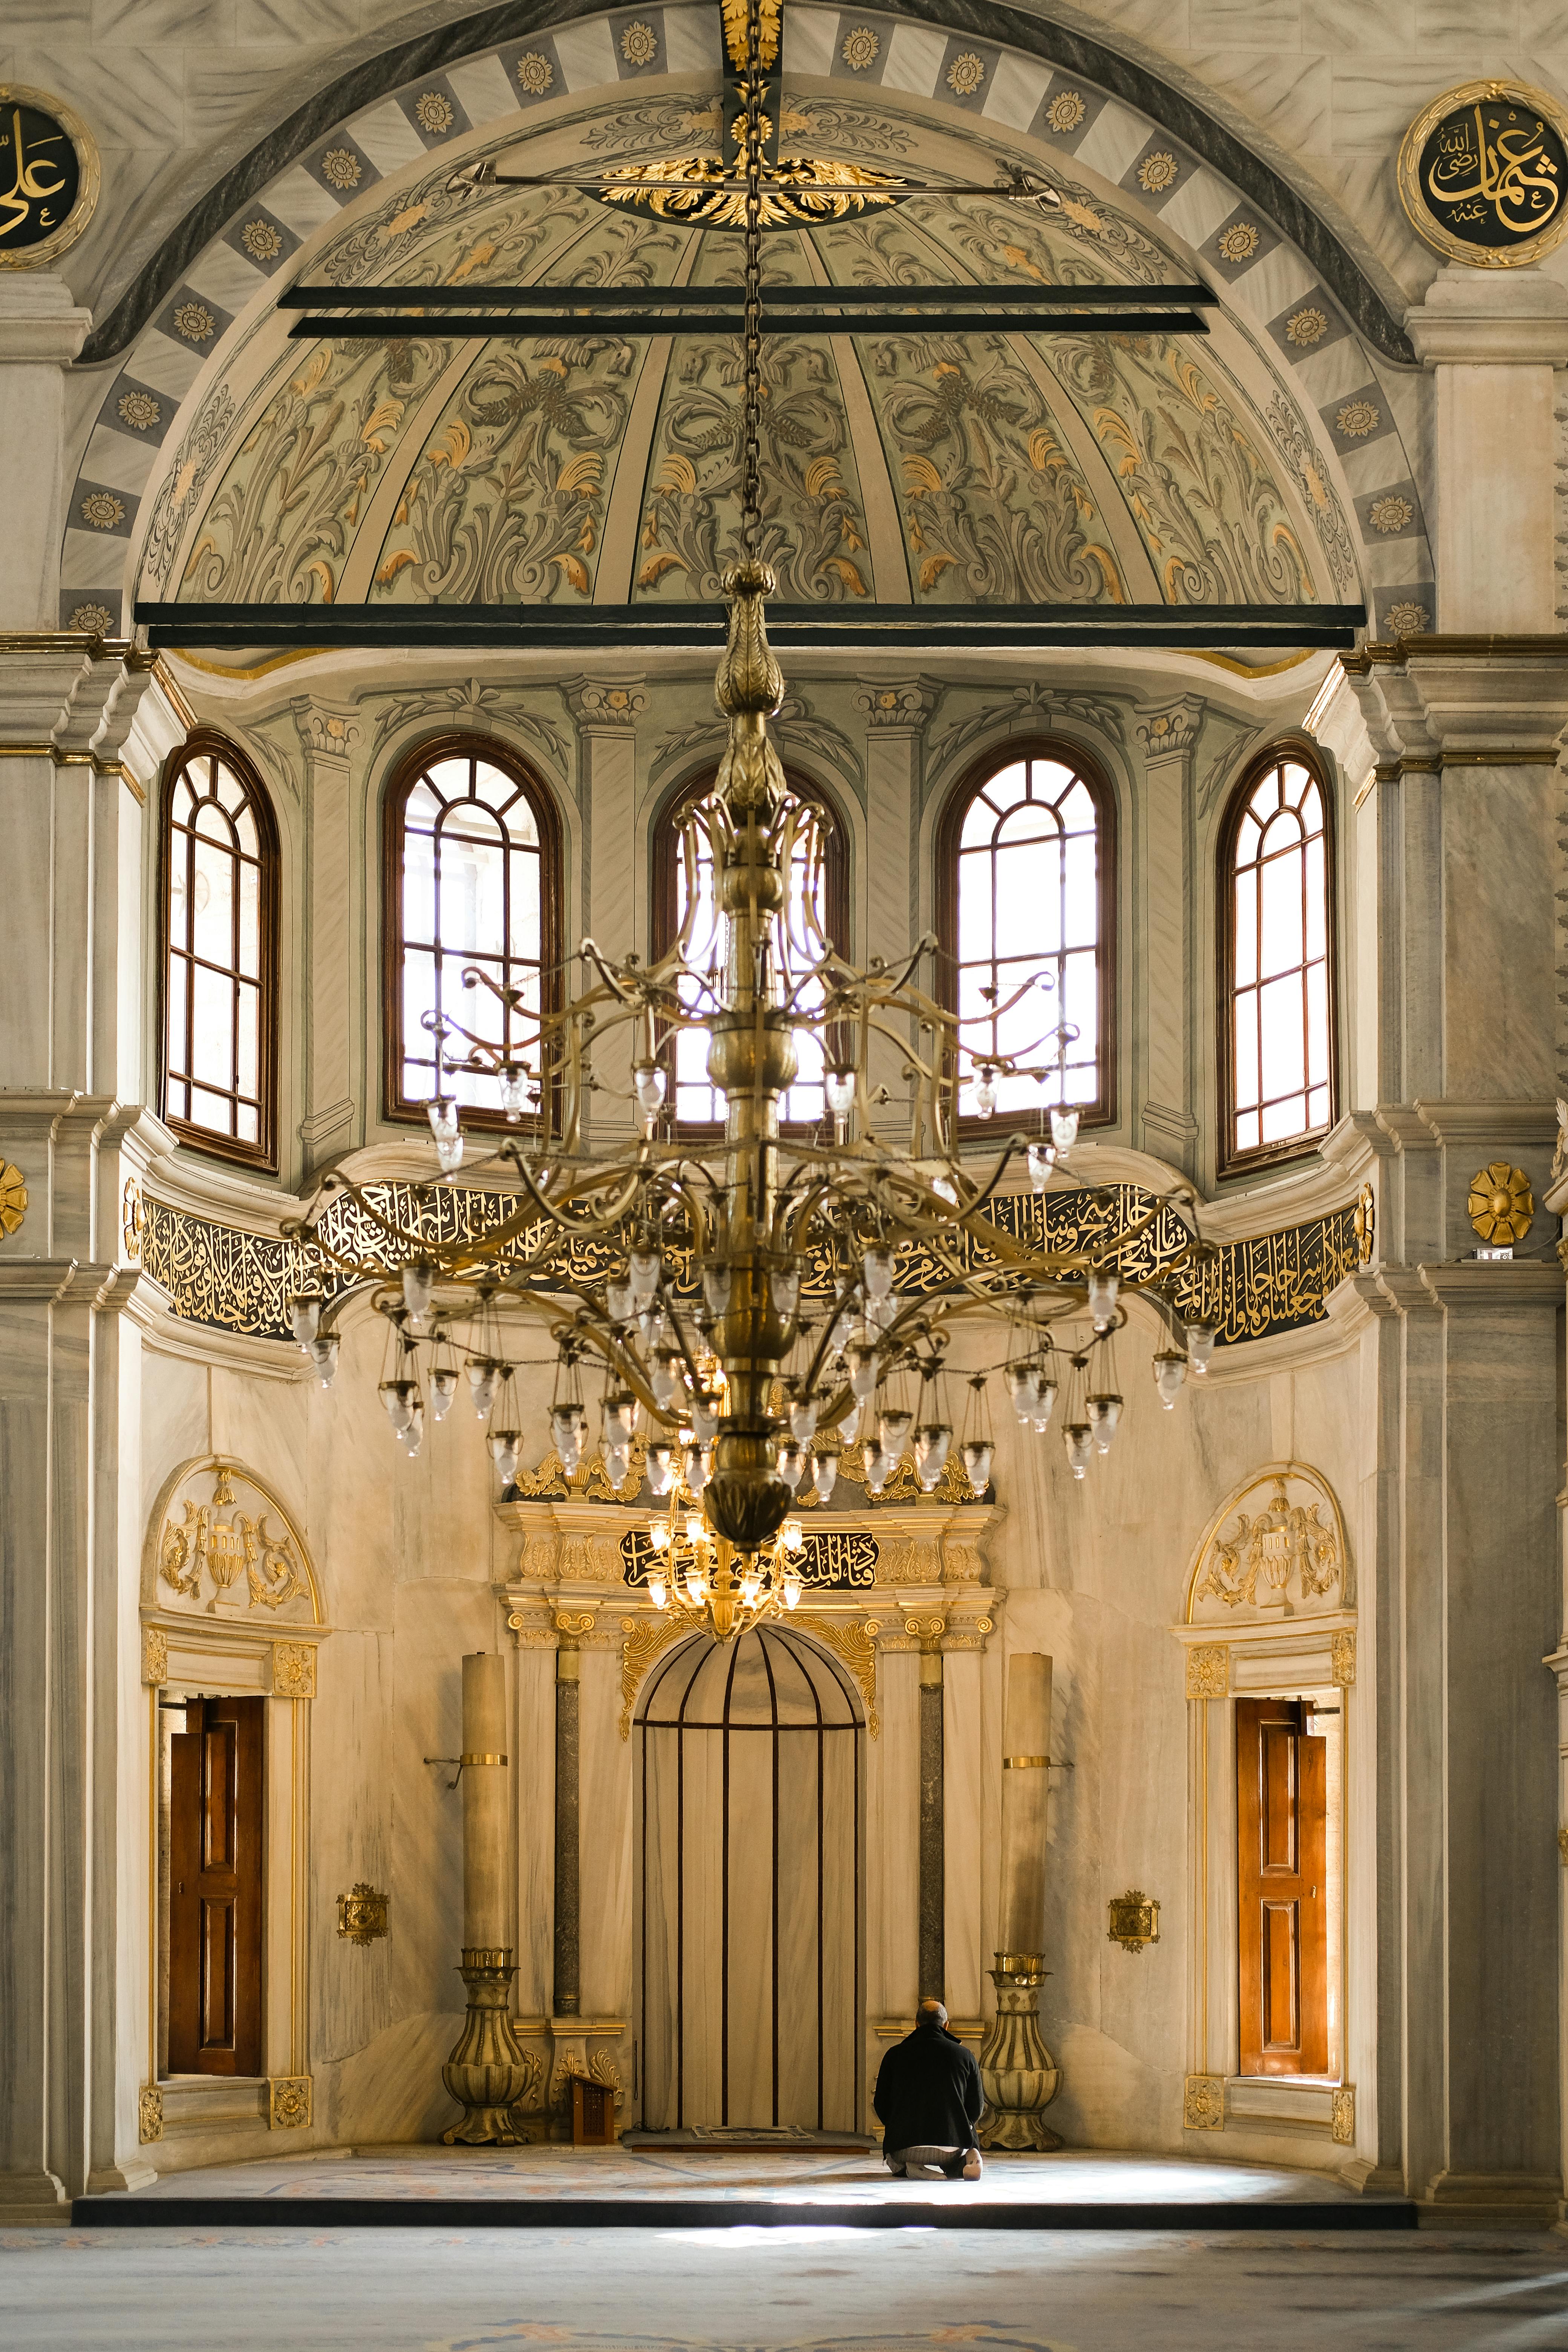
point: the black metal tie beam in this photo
(368, 327)
(1196, 297)
(861, 628)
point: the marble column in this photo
(338, 861)
(932, 1904)
(1492, 338)
(41, 332)
(1018, 2073)
(487, 2072)
(1164, 975)
(566, 1999)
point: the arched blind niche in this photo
(1277, 1047)
(218, 904)
(1026, 891)
(750, 1906)
(696, 1103)
(472, 882)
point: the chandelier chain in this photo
(751, 467)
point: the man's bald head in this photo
(931, 2013)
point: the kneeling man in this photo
(929, 2100)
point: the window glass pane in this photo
(215, 1111)
(212, 897)
(1318, 1024)
(422, 809)
(525, 909)
(228, 788)
(244, 831)
(418, 998)
(246, 1126)
(1245, 929)
(1318, 1107)
(174, 1024)
(1281, 944)
(249, 1025)
(213, 824)
(1284, 1118)
(1317, 898)
(1246, 1131)
(974, 906)
(250, 921)
(1245, 1033)
(1281, 1039)
(470, 896)
(212, 1040)
(448, 780)
(419, 890)
(179, 893)
(1029, 898)
(1081, 894)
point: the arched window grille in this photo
(1277, 1054)
(219, 961)
(473, 883)
(696, 1102)
(1025, 892)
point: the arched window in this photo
(1025, 892)
(1277, 1043)
(473, 882)
(696, 1102)
(219, 963)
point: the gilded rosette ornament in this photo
(1501, 1206)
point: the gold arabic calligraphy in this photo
(29, 209)
(1480, 169)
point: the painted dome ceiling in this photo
(899, 467)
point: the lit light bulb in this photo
(839, 1086)
(977, 1455)
(620, 1300)
(933, 1440)
(750, 1586)
(482, 1371)
(696, 1528)
(825, 1471)
(863, 1370)
(792, 1464)
(658, 1591)
(618, 1467)
(803, 1418)
(305, 1315)
(1104, 1413)
(503, 1443)
(1064, 1129)
(647, 1083)
(791, 1592)
(414, 1435)
(618, 1419)
(398, 1397)
(696, 1587)
(445, 1126)
(785, 1291)
(1103, 1286)
(705, 1416)
(1200, 1345)
(792, 1535)
(985, 1090)
(879, 1468)
(1170, 1370)
(1042, 1160)
(849, 1422)
(716, 1288)
(512, 1079)
(893, 1428)
(443, 1389)
(666, 1377)
(1045, 1399)
(418, 1286)
(697, 1467)
(658, 1534)
(660, 1465)
(1021, 1390)
(324, 1356)
(1079, 1444)
(877, 1272)
(645, 1266)
(569, 1433)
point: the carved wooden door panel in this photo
(215, 1890)
(1281, 1888)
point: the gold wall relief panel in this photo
(1202, 2102)
(1275, 1551)
(642, 1639)
(1208, 1671)
(219, 1543)
(288, 2103)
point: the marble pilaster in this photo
(1167, 735)
(336, 877)
(41, 332)
(605, 713)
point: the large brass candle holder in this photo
(1017, 2072)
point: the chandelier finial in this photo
(749, 689)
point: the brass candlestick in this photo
(489, 2074)
(1019, 2075)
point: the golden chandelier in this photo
(740, 1297)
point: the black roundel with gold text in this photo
(1494, 172)
(40, 175)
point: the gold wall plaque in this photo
(1202, 2102)
(289, 2103)
(1134, 1920)
(49, 177)
(148, 2114)
(1501, 1206)
(362, 1914)
(1483, 173)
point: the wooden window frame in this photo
(666, 887)
(1287, 749)
(405, 772)
(208, 743)
(1102, 1111)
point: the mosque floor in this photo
(826, 2283)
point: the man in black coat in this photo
(929, 2100)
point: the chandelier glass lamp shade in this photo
(728, 1309)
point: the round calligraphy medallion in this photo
(49, 177)
(1483, 173)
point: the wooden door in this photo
(1281, 1823)
(215, 1890)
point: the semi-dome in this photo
(905, 465)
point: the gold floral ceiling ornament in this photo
(861, 48)
(1065, 113)
(1390, 513)
(1407, 620)
(1501, 1206)
(102, 510)
(261, 240)
(966, 74)
(433, 111)
(196, 322)
(1238, 243)
(1305, 328)
(1357, 418)
(1157, 172)
(13, 1199)
(139, 410)
(535, 74)
(340, 168)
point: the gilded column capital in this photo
(603, 707)
(1170, 732)
(905, 704)
(325, 733)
